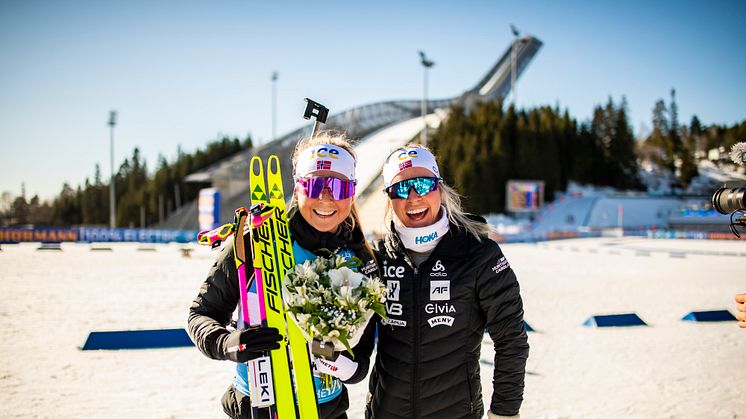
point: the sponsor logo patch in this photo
(394, 322)
(434, 308)
(393, 271)
(323, 152)
(502, 265)
(426, 238)
(407, 155)
(438, 269)
(394, 309)
(369, 267)
(440, 290)
(392, 290)
(441, 321)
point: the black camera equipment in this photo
(732, 200)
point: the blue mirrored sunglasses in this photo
(421, 185)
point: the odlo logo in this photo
(438, 269)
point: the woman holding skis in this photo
(322, 215)
(447, 283)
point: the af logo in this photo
(440, 290)
(392, 290)
(438, 270)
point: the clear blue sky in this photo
(183, 72)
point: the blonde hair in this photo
(451, 201)
(340, 140)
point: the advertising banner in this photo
(209, 208)
(524, 195)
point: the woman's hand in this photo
(741, 310)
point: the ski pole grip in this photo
(317, 110)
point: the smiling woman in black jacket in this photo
(447, 283)
(323, 218)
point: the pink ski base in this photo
(244, 297)
(260, 293)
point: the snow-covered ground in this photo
(671, 368)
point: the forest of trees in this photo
(677, 147)
(478, 151)
(143, 198)
(481, 150)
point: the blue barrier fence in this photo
(95, 234)
(647, 233)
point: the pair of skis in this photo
(272, 254)
(282, 380)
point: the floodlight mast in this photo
(426, 65)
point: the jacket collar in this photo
(313, 240)
(456, 243)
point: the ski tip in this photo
(214, 238)
(273, 164)
(256, 167)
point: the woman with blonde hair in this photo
(447, 283)
(322, 217)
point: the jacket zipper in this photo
(416, 342)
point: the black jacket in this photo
(427, 365)
(212, 309)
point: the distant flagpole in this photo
(112, 195)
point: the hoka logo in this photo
(426, 239)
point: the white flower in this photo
(328, 300)
(345, 277)
(306, 273)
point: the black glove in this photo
(246, 344)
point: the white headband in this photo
(325, 157)
(405, 158)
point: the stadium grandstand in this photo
(376, 128)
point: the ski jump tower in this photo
(230, 175)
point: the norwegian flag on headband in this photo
(405, 165)
(323, 165)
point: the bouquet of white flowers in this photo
(330, 301)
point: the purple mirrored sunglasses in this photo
(313, 187)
